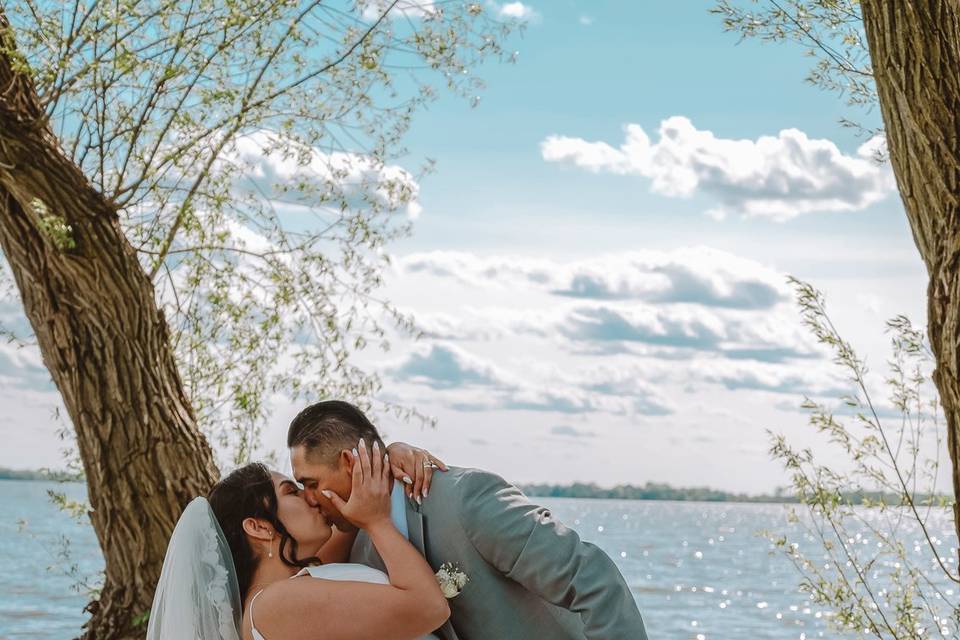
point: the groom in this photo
(529, 575)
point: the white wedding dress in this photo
(337, 571)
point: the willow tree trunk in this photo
(915, 54)
(106, 346)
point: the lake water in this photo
(697, 570)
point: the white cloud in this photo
(22, 366)
(444, 326)
(673, 330)
(28, 428)
(628, 382)
(313, 177)
(514, 11)
(571, 432)
(774, 177)
(666, 305)
(663, 331)
(466, 382)
(447, 366)
(793, 379)
(697, 275)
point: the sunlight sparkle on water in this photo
(717, 596)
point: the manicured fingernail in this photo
(419, 501)
(407, 480)
(386, 457)
(362, 444)
(424, 492)
(326, 493)
(376, 446)
(356, 454)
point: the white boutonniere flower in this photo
(451, 579)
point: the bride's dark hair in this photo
(248, 492)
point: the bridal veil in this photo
(197, 595)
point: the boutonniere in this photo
(451, 579)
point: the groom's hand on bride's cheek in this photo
(413, 467)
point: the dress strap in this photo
(253, 627)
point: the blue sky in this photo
(586, 70)
(637, 62)
(587, 317)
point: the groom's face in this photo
(316, 476)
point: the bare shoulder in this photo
(285, 596)
(312, 608)
(295, 608)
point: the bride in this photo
(252, 546)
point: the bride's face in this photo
(307, 525)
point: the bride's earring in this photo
(270, 554)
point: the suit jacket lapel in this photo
(366, 553)
(415, 528)
(369, 556)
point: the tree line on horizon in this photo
(591, 490)
(661, 491)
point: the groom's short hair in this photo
(326, 428)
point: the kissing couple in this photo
(344, 551)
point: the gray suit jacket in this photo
(530, 576)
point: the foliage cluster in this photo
(247, 148)
(884, 568)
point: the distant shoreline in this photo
(38, 474)
(650, 491)
(658, 491)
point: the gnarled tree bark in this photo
(107, 347)
(915, 54)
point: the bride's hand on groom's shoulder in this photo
(369, 503)
(413, 467)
